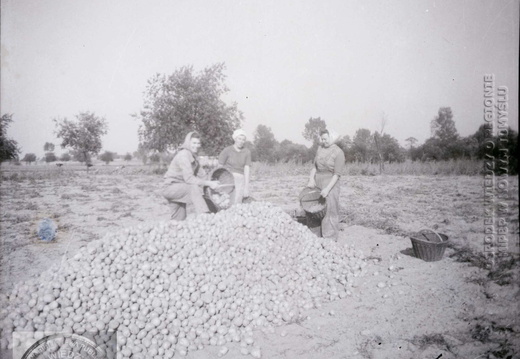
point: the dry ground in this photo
(459, 307)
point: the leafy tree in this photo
(155, 158)
(504, 147)
(128, 157)
(466, 147)
(82, 136)
(390, 149)
(445, 143)
(373, 147)
(107, 157)
(346, 144)
(65, 157)
(48, 147)
(284, 148)
(289, 151)
(9, 149)
(80, 157)
(50, 157)
(416, 153)
(443, 127)
(362, 145)
(483, 134)
(312, 130)
(251, 148)
(265, 144)
(185, 101)
(411, 142)
(141, 153)
(432, 150)
(29, 158)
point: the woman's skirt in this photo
(329, 223)
(240, 183)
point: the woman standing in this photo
(329, 164)
(184, 178)
(237, 159)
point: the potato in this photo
(209, 280)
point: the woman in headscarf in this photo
(237, 159)
(329, 164)
(184, 178)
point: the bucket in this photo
(314, 224)
(222, 197)
(429, 245)
(299, 216)
(314, 205)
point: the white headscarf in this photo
(239, 132)
(333, 136)
(187, 141)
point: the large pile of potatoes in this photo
(172, 287)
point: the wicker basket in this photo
(314, 205)
(227, 188)
(429, 245)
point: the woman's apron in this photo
(240, 183)
(329, 223)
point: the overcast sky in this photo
(345, 61)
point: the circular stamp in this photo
(61, 345)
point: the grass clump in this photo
(500, 268)
(426, 340)
(488, 331)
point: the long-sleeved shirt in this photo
(234, 160)
(182, 169)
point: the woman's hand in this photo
(213, 184)
(246, 192)
(311, 183)
(325, 192)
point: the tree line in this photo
(71, 155)
(185, 100)
(377, 147)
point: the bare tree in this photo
(377, 137)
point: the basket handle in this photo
(433, 231)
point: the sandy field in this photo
(404, 307)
